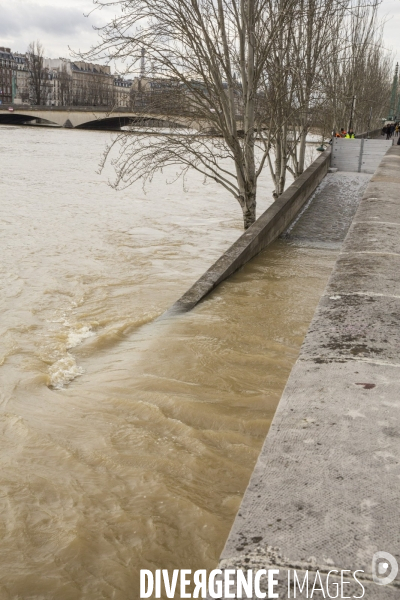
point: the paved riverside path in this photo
(326, 218)
(325, 492)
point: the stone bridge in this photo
(97, 117)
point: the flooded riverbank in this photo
(128, 443)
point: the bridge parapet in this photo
(97, 117)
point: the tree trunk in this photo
(247, 201)
(249, 209)
(250, 187)
(302, 151)
(278, 165)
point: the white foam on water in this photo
(65, 369)
(63, 372)
(76, 336)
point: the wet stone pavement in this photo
(326, 218)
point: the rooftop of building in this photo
(5, 53)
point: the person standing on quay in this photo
(350, 135)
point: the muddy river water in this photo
(126, 442)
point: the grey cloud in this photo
(19, 17)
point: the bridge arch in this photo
(94, 118)
(116, 122)
(11, 118)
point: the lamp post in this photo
(398, 109)
(369, 122)
(353, 105)
(394, 94)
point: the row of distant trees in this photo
(261, 73)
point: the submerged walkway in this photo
(327, 216)
(325, 493)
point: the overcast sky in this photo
(59, 24)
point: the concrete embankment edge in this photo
(264, 231)
(325, 492)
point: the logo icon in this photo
(384, 568)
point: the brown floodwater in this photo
(127, 442)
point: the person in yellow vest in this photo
(350, 135)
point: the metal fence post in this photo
(361, 155)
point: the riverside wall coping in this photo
(325, 492)
(264, 231)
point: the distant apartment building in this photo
(92, 85)
(21, 79)
(78, 83)
(15, 79)
(7, 76)
(158, 94)
(123, 93)
(64, 82)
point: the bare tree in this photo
(216, 52)
(278, 104)
(38, 74)
(330, 51)
(312, 36)
(292, 84)
(359, 67)
(64, 80)
(255, 74)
